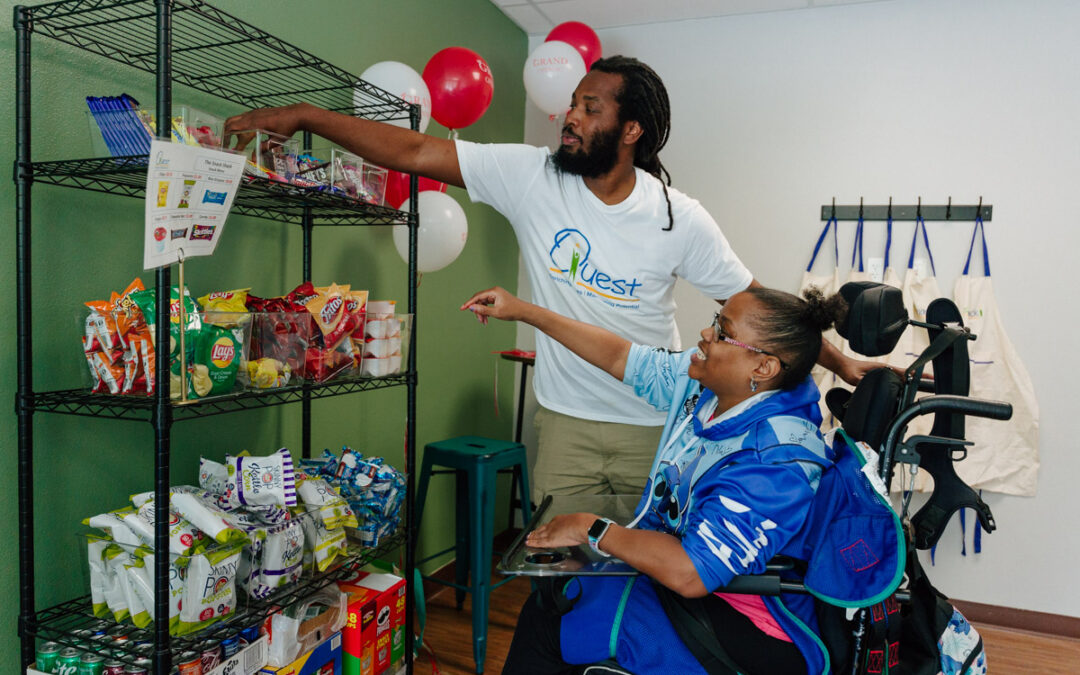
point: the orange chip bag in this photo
(328, 307)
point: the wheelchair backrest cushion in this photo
(876, 317)
(872, 406)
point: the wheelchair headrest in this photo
(876, 317)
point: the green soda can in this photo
(91, 664)
(47, 655)
(68, 663)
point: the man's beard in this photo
(599, 160)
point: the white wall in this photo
(774, 114)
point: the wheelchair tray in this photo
(522, 560)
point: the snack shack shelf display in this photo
(194, 44)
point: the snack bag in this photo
(281, 558)
(328, 308)
(142, 580)
(333, 510)
(183, 536)
(261, 480)
(212, 475)
(144, 300)
(324, 544)
(114, 591)
(225, 308)
(113, 523)
(218, 350)
(209, 589)
(267, 373)
(99, 574)
(119, 558)
(201, 510)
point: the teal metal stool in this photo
(474, 460)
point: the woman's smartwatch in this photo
(597, 531)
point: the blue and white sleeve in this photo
(652, 371)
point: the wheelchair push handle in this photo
(976, 407)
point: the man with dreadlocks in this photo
(603, 238)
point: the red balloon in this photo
(461, 86)
(397, 187)
(580, 37)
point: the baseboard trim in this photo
(1020, 619)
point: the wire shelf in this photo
(59, 623)
(214, 52)
(257, 197)
(141, 408)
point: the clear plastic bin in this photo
(386, 340)
(269, 155)
(287, 347)
(119, 348)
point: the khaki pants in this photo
(583, 457)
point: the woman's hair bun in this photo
(824, 312)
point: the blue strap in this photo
(915, 242)
(857, 248)
(888, 242)
(978, 532)
(979, 227)
(821, 239)
(963, 532)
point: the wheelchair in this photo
(878, 413)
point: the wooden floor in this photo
(449, 634)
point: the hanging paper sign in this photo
(189, 191)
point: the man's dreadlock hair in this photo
(643, 99)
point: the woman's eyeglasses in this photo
(718, 335)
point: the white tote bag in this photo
(1005, 457)
(828, 283)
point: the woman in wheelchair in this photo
(732, 485)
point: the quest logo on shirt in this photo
(570, 264)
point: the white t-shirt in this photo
(609, 265)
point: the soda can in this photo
(136, 669)
(91, 664)
(68, 663)
(229, 646)
(47, 655)
(118, 633)
(113, 668)
(211, 655)
(190, 663)
(251, 633)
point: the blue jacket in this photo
(736, 492)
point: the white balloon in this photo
(552, 72)
(400, 80)
(441, 235)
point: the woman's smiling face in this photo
(725, 368)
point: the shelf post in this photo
(24, 345)
(410, 413)
(162, 417)
(307, 225)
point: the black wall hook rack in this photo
(947, 212)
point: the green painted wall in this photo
(86, 245)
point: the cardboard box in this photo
(358, 636)
(388, 593)
(324, 659)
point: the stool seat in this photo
(476, 461)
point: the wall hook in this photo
(860, 209)
(889, 212)
(834, 208)
(978, 210)
(948, 209)
(918, 209)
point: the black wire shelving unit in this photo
(192, 43)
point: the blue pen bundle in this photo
(125, 128)
(374, 490)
